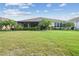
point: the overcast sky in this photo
(18, 11)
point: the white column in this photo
(28, 25)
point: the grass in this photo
(39, 43)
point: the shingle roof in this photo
(38, 19)
(75, 19)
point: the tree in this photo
(44, 24)
(9, 24)
(12, 24)
(1, 23)
(69, 25)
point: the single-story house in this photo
(35, 21)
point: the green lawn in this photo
(48, 43)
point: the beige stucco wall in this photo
(6, 27)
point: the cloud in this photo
(15, 12)
(37, 11)
(45, 11)
(28, 13)
(20, 5)
(62, 5)
(25, 7)
(74, 13)
(30, 4)
(7, 4)
(49, 5)
(14, 4)
(58, 9)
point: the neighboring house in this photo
(35, 21)
(7, 27)
(77, 25)
(76, 22)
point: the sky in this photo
(21, 11)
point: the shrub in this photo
(31, 28)
(44, 24)
(69, 26)
(19, 27)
